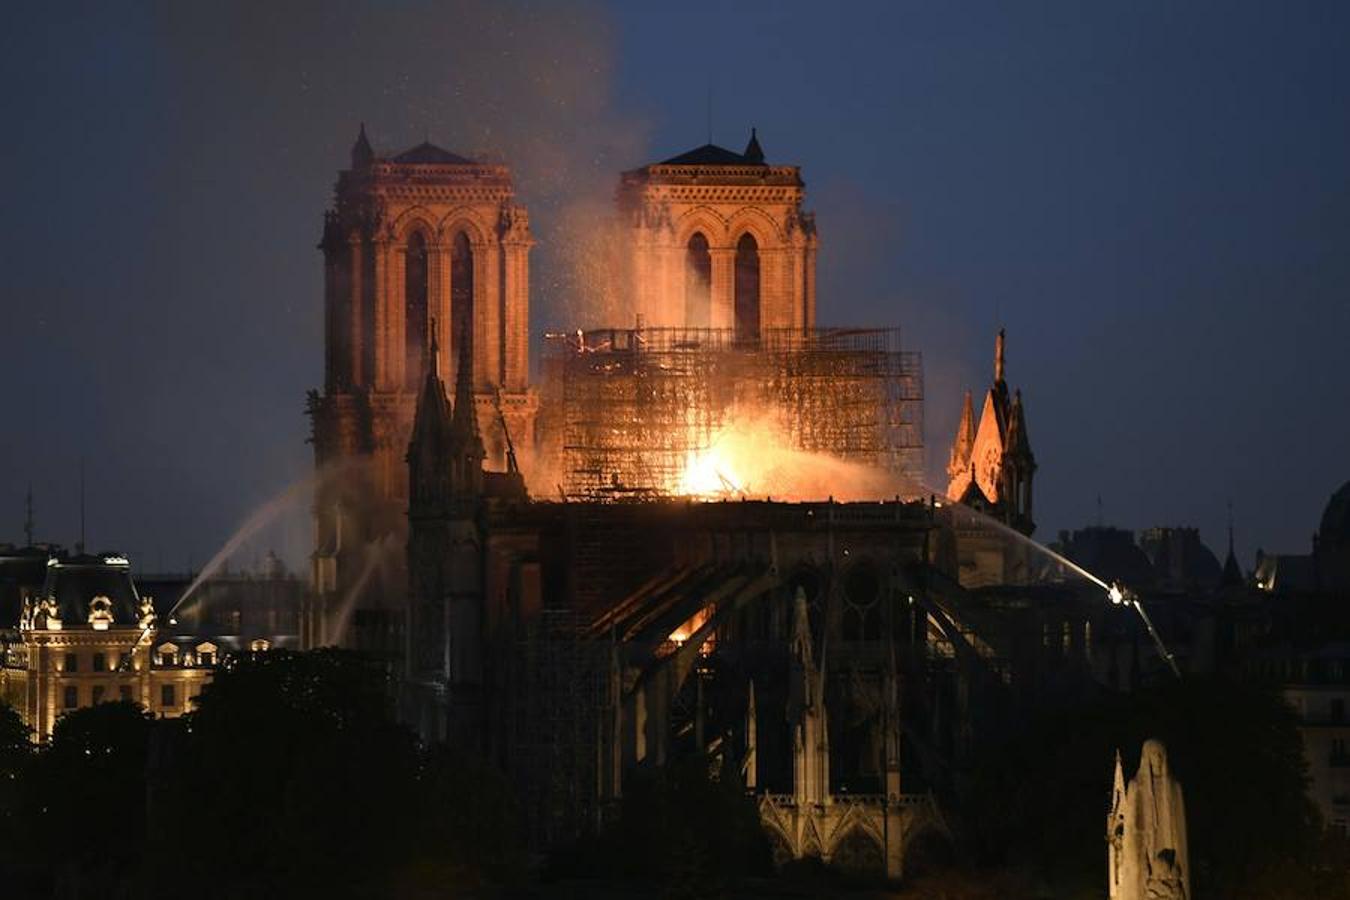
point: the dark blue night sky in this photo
(1154, 198)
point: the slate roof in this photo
(427, 153)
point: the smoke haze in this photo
(1153, 197)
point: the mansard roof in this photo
(74, 581)
(427, 153)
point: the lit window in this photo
(167, 695)
(70, 697)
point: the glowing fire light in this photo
(709, 474)
(690, 627)
(755, 457)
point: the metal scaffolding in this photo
(557, 719)
(626, 408)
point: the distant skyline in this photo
(1153, 198)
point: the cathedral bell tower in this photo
(418, 245)
(719, 239)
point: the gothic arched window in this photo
(415, 309)
(862, 613)
(747, 289)
(697, 283)
(461, 301)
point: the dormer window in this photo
(206, 654)
(168, 654)
(260, 645)
(100, 613)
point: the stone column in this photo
(673, 313)
(398, 321)
(644, 271)
(356, 297)
(331, 326)
(383, 372)
(794, 277)
(810, 286)
(723, 287)
(516, 314)
(775, 298)
(487, 287)
(444, 308)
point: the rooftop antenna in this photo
(1230, 527)
(28, 516)
(81, 544)
(709, 110)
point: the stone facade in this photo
(720, 239)
(87, 637)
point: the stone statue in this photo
(46, 615)
(1147, 856)
(147, 613)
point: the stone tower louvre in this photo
(720, 239)
(419, 240)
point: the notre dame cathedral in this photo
(576, 632)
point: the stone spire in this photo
(753, 152)
(806, 711)
(465, 422)
(430, 448)
(362, 154)
(1019, 445)
(959, 463)
(466, 441)
(999, 389)
(998, 356)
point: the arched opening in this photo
(461, 301)
(697, 282)
(414, 309)
(859, 856)
(862, 613)
(747, 289)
